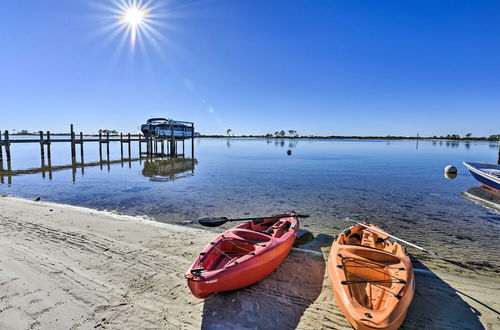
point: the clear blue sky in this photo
(320, 67)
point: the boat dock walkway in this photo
(149, 147)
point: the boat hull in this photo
(236, 262)
(489, 180)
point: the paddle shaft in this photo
(396, 238)
(262, 218)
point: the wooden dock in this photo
(149, 148)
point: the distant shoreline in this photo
(346, 138)
(313, 137)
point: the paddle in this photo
(429, 252)
(215, 222)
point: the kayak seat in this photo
(279, 228)
(355, 237)
(251, 235)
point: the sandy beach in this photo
(65, 267)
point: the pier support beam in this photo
(73, 150)
(192, 141)
(129, 147)
(1, 154)
(7, 146)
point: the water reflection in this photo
(165, 170)
(484, 196)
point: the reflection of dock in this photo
(484, 197)
(155, 147)
(171, 168)
(163, 170)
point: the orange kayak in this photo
(372, 278)
(242, 255)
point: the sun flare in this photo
(135, 17)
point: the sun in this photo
(140, 24)
(135, 17)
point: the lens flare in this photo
(135, 17)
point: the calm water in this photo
(398, 184)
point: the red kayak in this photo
(242, 255)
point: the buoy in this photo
(289, 152)
(450, 172)
(450, 169)
(450, 175)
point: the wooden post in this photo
(192, 140)
(82, 158)
(73, 151)
(129, 146)
(7, 146)
(182, 148)
(42, 155)
(100, 146)
(48, 143)
(162, 147)
(42, 151)
(81, 149)
(107, 145)
(49, 156)
(172, 140)
(140, 147)
(1, 154)
(121, 145)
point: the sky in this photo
(332, 67)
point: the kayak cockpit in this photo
(372, 278)
(225, 252)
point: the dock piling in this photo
(81, 149)
(7, 146)
(140, 147)
(129, 146)
(73, 150)
(107, 144)
(1, 153)
(192, 140)
(121, 145)
(100, 146)
(48, 143)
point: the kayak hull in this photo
(242, 256)
(373, 283)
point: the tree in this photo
(468, 135)
(494, 137)
(229, 132)
(291, 132)
(282, 133)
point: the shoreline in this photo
(64, 266)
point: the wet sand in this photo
(64, 267)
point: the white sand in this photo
(64, 267)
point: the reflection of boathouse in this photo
(169, 169)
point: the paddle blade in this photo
(212, 222)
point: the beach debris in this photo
(38, 199)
